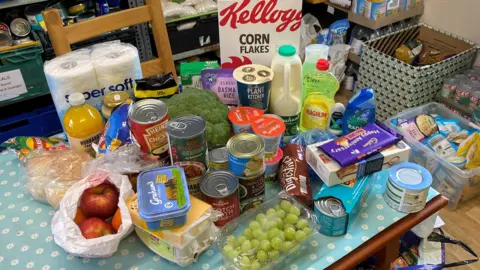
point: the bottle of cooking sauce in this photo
(83, 124)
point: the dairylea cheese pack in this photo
(251, 31)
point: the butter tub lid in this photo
(162, 194)
(410, 176)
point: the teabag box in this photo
(332, 173)
(190, 73)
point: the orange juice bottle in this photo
(83, 124)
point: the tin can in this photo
(86, 16)
(12, 15)
(332, 217)
(463, 94)
(254, 83)
(194, 171)
(251, 192)
(187, 139)
(220, 190)
(5, 39)
(246, 155)
(77, 9)
(449, 88)
(4, 27)
(20, 27)
(113, 100)
(218, 159)
(34, 15)
(147, 120)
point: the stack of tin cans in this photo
(15, 31)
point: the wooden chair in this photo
(63, 36)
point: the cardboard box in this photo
(252, 31)
(332, 173)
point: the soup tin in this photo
(220, 190)
(246, 155)
(332, 217)
(254, 83)
(163, 197)
(218, 159)
(252, 191)
(194, 172)
(407, 187)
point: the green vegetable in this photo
(206, 104)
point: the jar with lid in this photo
(113, 100)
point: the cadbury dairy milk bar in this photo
(360, 144)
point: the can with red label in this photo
(252, 191)
(220, 190)
(147, 120)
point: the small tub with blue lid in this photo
(163, 198)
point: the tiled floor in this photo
(463, 224)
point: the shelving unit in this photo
(183, 55)
(376, 24)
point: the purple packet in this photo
(222, 83)
(360, 144)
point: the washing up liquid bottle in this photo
(287, 88)
(360, 111)
(319, 89)
(83, 124)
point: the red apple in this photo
(95, 227)
(100, 201)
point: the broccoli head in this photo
(203, 103)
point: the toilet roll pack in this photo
(94, 71)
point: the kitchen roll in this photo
(68, 74)
(117, 66)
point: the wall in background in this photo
(460, 17)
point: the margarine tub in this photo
(163, 198)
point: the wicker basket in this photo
(399, 86)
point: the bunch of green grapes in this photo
(268, 236)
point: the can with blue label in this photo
(246, 155)
(332, 217)
(254, 84)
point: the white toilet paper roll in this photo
(68, 74)
(117, 66)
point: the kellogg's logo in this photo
(263, 12)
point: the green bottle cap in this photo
(287, 50)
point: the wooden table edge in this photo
(379, 241)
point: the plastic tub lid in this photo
(244, 115)
(410, 176)
(162, 194)
(275, 159)
(269, 127)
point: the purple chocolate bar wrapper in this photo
(222, 83)
(360, 144)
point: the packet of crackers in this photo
(294, 177)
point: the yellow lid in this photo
(116, 98)
(174, 236)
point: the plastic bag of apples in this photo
(93, 217)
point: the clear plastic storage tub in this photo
(455, 184)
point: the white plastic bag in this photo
(308, 32)
(68, 235)
(206, 6)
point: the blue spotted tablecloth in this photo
(26, 239)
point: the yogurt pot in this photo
(270, 129)
(243, 117)
(163, 197)
(271, 167)
(254, 83)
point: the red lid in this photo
(323, 64)
(268, 126)
(244, 115)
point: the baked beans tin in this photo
(187, 139)
(332, 217)
(218, 159)
(220, 190)
(246, 155)
(254, 83)
(4, 27)
(147, 120)
(194, 172)
(252, 191)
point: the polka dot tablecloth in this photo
(26, 240)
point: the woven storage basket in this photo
(399, 86)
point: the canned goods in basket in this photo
(4, 27)
(254, 83)
(20, 27)
(5, 39)
(407, 187)
(246, 155)
(194, 171)
(218, 159)
(147, 120)
(220, 190)
(21, 40)
(187, 139)
(332, 217)
(252, 191)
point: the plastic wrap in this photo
(239, 239)
(191, 2)
(49, 174)
(23, 145)
(311, 137)
(206, 6)
(308, 32)
(68, 235)
(174, 10)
